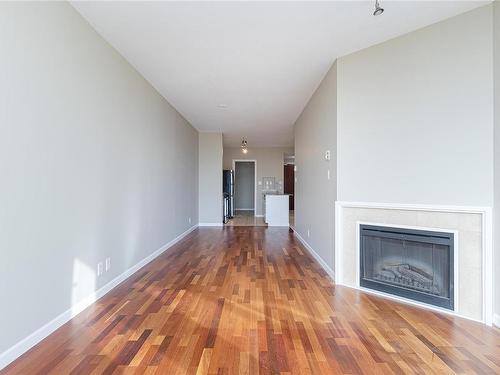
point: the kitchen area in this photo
(258, 187)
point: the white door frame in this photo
(254, 183)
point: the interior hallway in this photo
(252, 300)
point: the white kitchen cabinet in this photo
(276, 212)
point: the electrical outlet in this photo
(327, 155)
(99, 269)
(108, 264)
(308, 233)
(189, 220)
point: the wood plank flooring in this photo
(251, 300)
(246, 218)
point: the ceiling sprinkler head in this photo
(378, 10)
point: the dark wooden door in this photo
(289, 183)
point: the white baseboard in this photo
(210, 224)
(496, 320)
(323, 264)
(258, 215)
(244, 209)
(34, 338)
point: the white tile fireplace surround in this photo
(472, 227)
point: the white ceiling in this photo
(263, 60)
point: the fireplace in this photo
(410, 263)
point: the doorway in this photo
(289, 185)
(245, 199)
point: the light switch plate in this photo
(99, 268)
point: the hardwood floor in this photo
(246, 218)
(251, 300)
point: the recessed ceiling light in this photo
(223, 106)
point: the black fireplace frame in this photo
(433, 237)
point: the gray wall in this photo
(244, 184)
(210, 178)
(496, 45)
(315, 194)
(415, 116)
(269, 164)
(94, 163)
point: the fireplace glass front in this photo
(409, 263)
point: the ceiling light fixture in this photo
(378, 10)
(244, 148)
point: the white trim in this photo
(258, 215)
(254, 161)
(316, 256)
(487, 254)
(496, 320)
(210, 224)
(415, 207)
(417, 303)
(34, 338)
(244, 209)
(338, 245)
(487, 245)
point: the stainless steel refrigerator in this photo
(228, 193)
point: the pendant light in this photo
(244, 148)
(378, 10)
